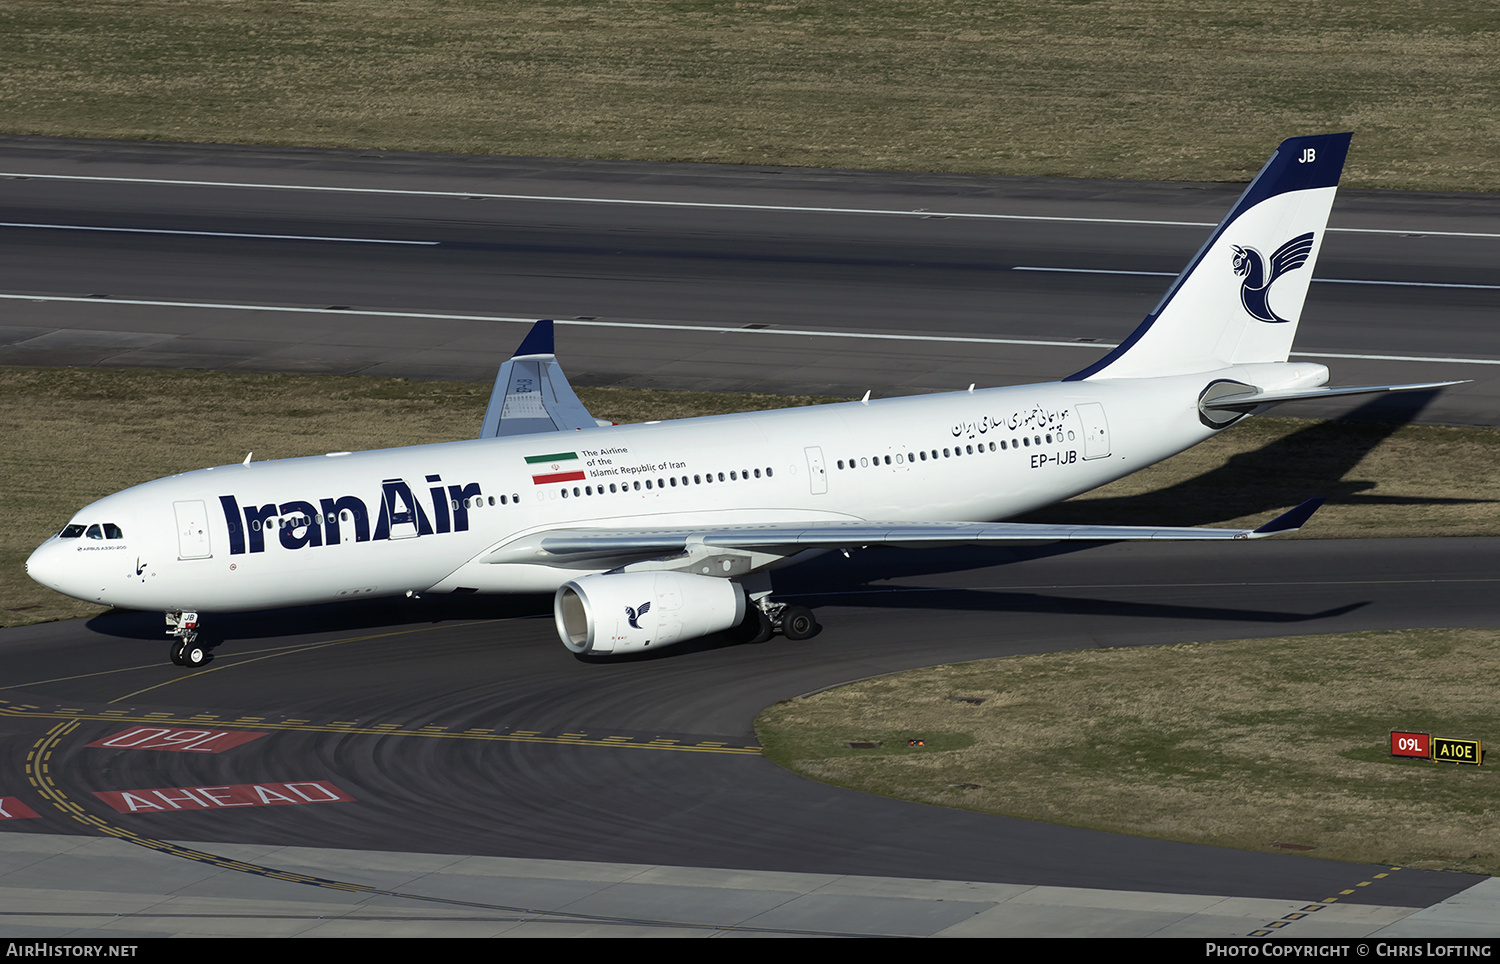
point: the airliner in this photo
(653, 534)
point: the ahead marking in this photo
(40, 777)
(705, 329)
(707, 205)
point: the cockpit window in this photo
(71, 532)
(94, 532)
(112, 531)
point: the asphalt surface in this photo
(646, 761)
(465, 727)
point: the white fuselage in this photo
(419, 519)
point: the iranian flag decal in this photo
(556, 467)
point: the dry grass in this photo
(1160, 89)
(1244, 744)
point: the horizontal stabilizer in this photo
(1248, 401)
(531, 393)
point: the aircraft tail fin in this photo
(532, 394)
(1240, 298)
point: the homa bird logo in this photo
(632, 614)
(1255, 290)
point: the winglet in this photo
(1289, 521)
(538, 340)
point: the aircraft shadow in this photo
(973, 600)
(339, 617)
(1310, 462)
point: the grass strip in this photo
(1262, 744)
(1154, 89)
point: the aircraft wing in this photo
(573, 545)
(532, 394)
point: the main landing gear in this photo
(767, 618)
(183, 628)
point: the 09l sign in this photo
(1411, 744)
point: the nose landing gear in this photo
(183, 628)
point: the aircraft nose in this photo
(49, 565)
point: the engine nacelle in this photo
(627, 612)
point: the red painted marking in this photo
(1411, 744)
(169, 799)
(558, 477)
(171, 738)
(11, 808)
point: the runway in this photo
(464, 728)
(683, 276)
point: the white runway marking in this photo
(704, 329)
(207, 234)
(790, 208)
(1327, 281)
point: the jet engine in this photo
(629, 612)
